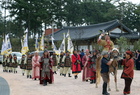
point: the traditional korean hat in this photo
(29, 53)
(94, 51)
(130, 53)
(45, 50)
(67, 51)
(14, 55)
(23, 55)
(87, 50)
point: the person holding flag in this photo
(29, 65)
(4, 63)
(10, 63)
(67, 64)
(55, 62)
(22, 64)
(15, 63)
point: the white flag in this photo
(25, 45)
(36, 43)
(9, 47)
(26, 31)
(42, 42)
(62, 46)
(53, 45)
(21, 46)
(70, 47)
(6, 44)
(3, 48)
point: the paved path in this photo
(20, 85)
(4, 87)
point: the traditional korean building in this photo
(84, 37)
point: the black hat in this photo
(45, 50)
(23, 55)
(29, 53)
(67, 51)
(139, 51)
(53, 51)
(75, 50)
(14, 55)
(94, 50)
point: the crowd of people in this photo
(44, 67)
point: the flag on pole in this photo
(21, 46)
(62, 46)
(9, 47)
(3, 48)
(70, 47)
(25, 45)
(26, 31)
(53, 45)
(42, 42)
(36, 43)
(6, 44)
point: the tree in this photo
(123, 43)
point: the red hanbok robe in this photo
(76, 68)
(128, 71)
(86, 69)
(51, 79)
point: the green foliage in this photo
(32, 14)
(137, 45)
(123, 43)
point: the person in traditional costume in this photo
(4, 63)
(104, 71)
(61, 63)
(10, 63)
(15, 63)
(36, 66)
(138, 60)
(46, 72)
(22, 64)
(92, 63)
(128, 72)
(29, 66)
(55, 62)
(76, 68)
(67, 64)
(32, 55)
(107, 43)
(86, 69)
(7, 64)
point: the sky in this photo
(135, 1)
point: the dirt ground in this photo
(20, 85)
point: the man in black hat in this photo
(10, 63)
(29, 65)
(22, 64)
(55, 62)
(15, 63)
(61, 63)
(67, 64)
